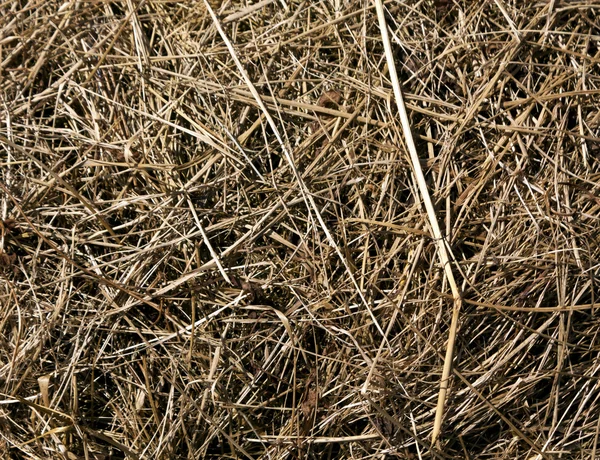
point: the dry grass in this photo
(215, 243)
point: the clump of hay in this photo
(213, 243)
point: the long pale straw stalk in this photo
(442, 250)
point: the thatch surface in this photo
(173, 285)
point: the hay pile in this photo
(191, 272)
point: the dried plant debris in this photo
(7, 260)
(330, 99)
(9, 227)
(190, 278)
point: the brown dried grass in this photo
(213, 243)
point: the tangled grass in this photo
(214, 243)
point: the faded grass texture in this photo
(215, 244)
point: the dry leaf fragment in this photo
(7, 260)
(9, 227)
(330, 99)
(310, 403)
